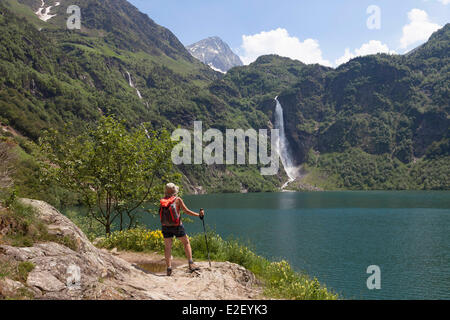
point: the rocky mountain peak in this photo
(215, 53)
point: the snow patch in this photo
(43, 12)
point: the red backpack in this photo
(168, 213)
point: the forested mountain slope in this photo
(376, 122)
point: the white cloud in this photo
(371, 47)
(419, 28)
(281, 43)
(444, 2)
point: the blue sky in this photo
(324, 31)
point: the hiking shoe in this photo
(193, 267)
(169, 272)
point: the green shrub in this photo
(5, 269)
(358, 170)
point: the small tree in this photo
(114, 170)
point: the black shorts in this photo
(170, 232)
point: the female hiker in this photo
(172, 226)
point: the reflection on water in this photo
(153, 267)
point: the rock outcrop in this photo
(87, 272)
(215, 53)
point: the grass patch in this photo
(6, 269)
(279, 279)
(25, 228)
(318, 178)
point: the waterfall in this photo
(130, 82)
(283, 146)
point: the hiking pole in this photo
(206, 238)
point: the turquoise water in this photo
(335, 236)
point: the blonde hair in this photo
(171, 189)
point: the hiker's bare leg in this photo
(168, 251)
(187, 248)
